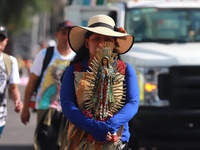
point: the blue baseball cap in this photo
(64, 24)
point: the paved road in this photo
(17, 136)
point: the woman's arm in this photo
(132, 100)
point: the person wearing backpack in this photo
(9, 77)
(44, 82)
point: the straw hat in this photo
(104, 25)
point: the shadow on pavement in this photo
(16, 147)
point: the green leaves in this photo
(17, 14)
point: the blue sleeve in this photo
(132, 100)
(96, 128)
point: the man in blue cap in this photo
(48, 91)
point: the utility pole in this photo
(57, 13)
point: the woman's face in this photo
(94, 40)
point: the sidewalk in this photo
(17, 136)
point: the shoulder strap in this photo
(47, 59)
(8, 64)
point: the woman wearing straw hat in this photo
(99, 100)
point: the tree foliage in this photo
(17, 14)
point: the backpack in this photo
(46, 61)
(8, 64)
(50, 129)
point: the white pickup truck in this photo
(166, 56)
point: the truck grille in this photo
(181, 86)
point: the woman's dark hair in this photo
(81, 55)
(118, 55)
(84, 52)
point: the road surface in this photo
(17, 136)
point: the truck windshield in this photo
(163, 25)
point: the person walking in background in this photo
(9, 77)
(48, 92)
(99, 92)
(41, 45)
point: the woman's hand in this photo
(112, 137)
(109, 136)
(122, 30)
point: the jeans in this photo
(1, 130)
